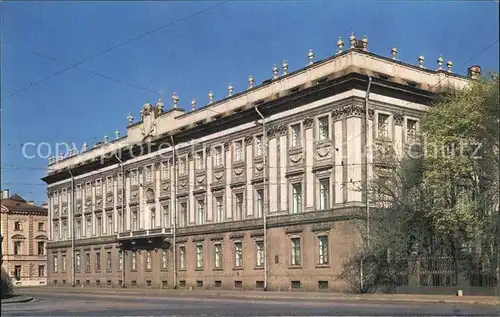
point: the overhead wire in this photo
(114, 47)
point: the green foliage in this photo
(442, 204)
(6, 287)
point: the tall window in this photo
(17, 226)
(64, 229)
(41, 248)
(78, 228)
(17, 247)
(109, 226)
(411, 131)
(182, 165)
(238, 254)
(296, 135)
(41, 226)
(148, 176)
(17, 271)
(259, 148)
(134, 220)
(164, 259)
(149, 260)
(165, 171)
(199, 256)
(120, 221)
(238, 151)
(41, 270)
(201, 211)
(119, 187)
(77, 262)
(63, 262)
(218, 255)
(98, 226)
(56, 234)
(218, 156)
(183, 212)
(109, 184)
(259, 253)
(182, 258)
(323, 249)
(219, 209)
(297, 198)
(89, 226)
(98, 261)
(87, 262)
(134, 260)
(324, 193)
(108, 261)
(88, 190)
(120, 260)
(56, 264)
(152, 210)
(78, 193)
(64, 196)
(98, 187)
(200, 162)
(134, 177)
(259, 203)
(323, 128)
(383, 126)
(166, 215)
(295, 248)
(238, 206)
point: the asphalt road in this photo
(133, 305)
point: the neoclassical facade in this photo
(24, 231)
(260, 189)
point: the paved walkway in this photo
(485, 300)
(17, 299)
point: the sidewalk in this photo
(17, 299)
(418, 298)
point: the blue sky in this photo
(192, 57)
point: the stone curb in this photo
(484, 300)
(17, 299)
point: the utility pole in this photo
(264, 182)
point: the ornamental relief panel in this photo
(134, 194)
(110, 199)
(218, 173)
(323, 152)
(98, 202)
(150, 194)
(165, 189)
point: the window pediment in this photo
(18, 237)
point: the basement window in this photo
(295, 284)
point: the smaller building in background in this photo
(23, 228)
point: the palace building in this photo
(23, 227)
(259, 189)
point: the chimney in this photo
(31, 202)
(474, 72)
(5, 194)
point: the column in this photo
(308, 189)
(273, 175)
(354, 153)
(338, 155)
(248, 184)
(283, 166)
